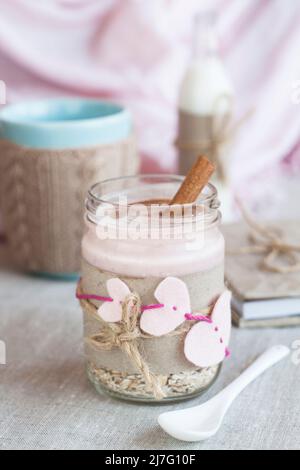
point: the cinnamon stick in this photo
(194, 182)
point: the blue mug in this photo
(63, 133)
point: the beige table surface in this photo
(46, 401)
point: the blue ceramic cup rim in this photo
(65, 123)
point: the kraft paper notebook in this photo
(260, 297)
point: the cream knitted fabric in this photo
(42, 196)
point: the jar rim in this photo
(204, 211)
(171, 178)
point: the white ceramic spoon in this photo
(202, 422)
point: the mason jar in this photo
(150, 272)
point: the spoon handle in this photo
(268, 359)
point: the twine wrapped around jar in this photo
(124, 335)
(42, 196)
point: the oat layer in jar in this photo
(156, 312)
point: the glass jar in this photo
(132, 251)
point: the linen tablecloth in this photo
(46, 401)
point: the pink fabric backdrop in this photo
(136, 51)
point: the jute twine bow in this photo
(222, 133)
(124, 335)
(270, 241)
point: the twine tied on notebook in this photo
(270, 241)
(222, 132)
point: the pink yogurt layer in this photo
(153, 258)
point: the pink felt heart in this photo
(111, 311)
(173, 294)
(206, 343)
